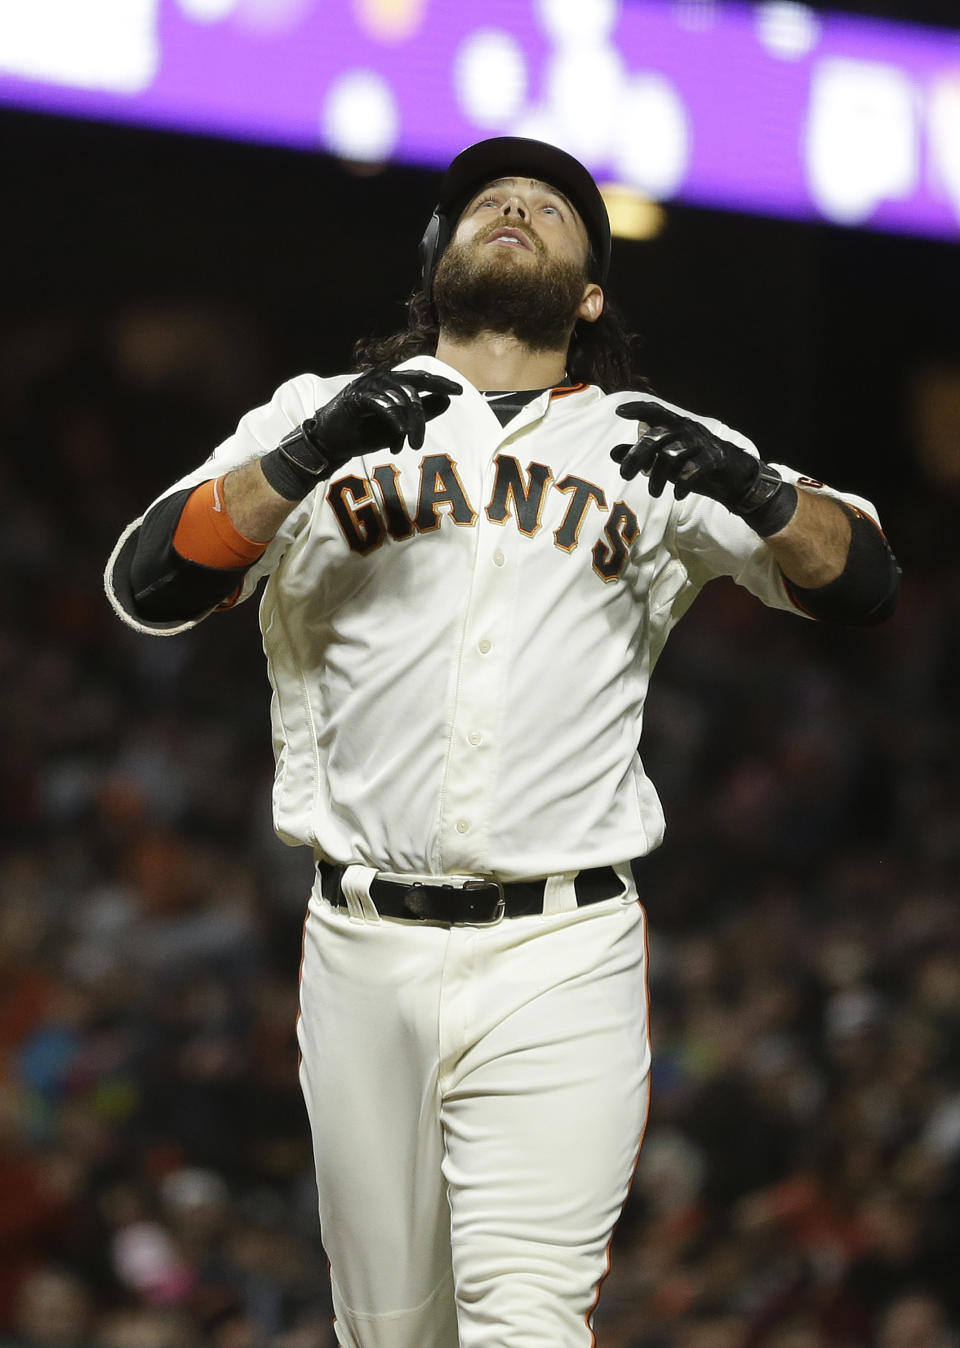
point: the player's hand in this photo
(379, 410)
(674, 448)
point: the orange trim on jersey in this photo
(231, 599)
(796, 602)
(567, 388)
(864, 516)
(206, 533)
(643, 1131)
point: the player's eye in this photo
(551, 208)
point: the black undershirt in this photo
(506, 404)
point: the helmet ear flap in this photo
(435, 238)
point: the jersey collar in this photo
(564, 390)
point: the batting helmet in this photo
(501, 157)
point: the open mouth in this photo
(510, 238)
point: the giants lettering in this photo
(367, 522)
(620, 529)
(360, 523)
(568, 535)
(511, 496)
(398, 521)
(440, 485)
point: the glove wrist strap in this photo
(297, 464)
(769, 504)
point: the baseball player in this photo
(474, 550)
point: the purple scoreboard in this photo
(769, 108)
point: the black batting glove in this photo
(677, 449)
(379, 410)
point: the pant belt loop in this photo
(355, 884)
(559, 894)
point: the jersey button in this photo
(475, 737)
(463, 825)
(498, 557)
(483, 645)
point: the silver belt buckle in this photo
(501, 901)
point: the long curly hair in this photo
(600, 353)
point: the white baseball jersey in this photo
(460, 638)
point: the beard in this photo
(476, 289)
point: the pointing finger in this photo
(640, 458)
(416, 422)
(653, 455)
(434, 404)
(392, 421)
(652, 413)
(637, 458)
(426, 382)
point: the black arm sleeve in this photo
(164, 586)
(866, 590)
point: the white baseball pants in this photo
(477, 1098)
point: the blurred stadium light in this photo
(632, 215)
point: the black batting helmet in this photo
(501, 157)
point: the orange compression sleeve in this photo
(206, 533)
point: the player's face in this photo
(517, 264)
(524, 217)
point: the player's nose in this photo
(513, 205)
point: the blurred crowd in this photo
(799, 1185)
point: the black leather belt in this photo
(478, 902)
